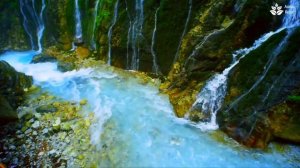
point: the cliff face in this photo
(12, 32)
(188, 41)
(261, 105)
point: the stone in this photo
(45, 131)
(83, 102)
(82, 52)
(56, 124)
(12, 88)
(46, 109)
(35, 125)
(37, 115)
(65, 66)
(41, 154)
(66, 126)
(43, 58)
(34, 133)
(6, 111)
(28, 131)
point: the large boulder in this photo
(12, 85)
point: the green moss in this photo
(294, 98)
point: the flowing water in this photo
(211, 97)
(184, 30)
(136, 124)
(155, 67)
(290, 21)
(128, 35)
(114, 20)
(95, 23)
(78, 27)
(136, 34)
(33, 22)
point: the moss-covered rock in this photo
(7, 113)
(12, 92)
(43, 58)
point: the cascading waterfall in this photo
(155, 67)
(95, 23)
(78, 33)
(290, 21)
(114, 20)
(25, 23)
(211, 97)
(184, 30)
(136, 34)
(29, 13)
(128, 35)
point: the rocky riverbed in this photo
(51, 133)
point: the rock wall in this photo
(12, 33)
(270, 110)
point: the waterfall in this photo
(114, 20)
(128, 35)
(78, 33)
(211, 97)
(137, 33)
(25, 23)
(41, 27)
(95, 24)
(32, 18)
(292, 18)
(184, 30)
(290, 21)
(154, 60)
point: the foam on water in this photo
(135, 123)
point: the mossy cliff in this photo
(12, 34)
(58, 23)
(218, 29)
(262, 103)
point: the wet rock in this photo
(43, 58)
(12, 88)
(66, 126)
(263, 113)
(65, 66)
(6, 111)
(35, 125)
(83, 102)
(82, 52)
(46, 109)
(56, 124)
(28, 131)
(45, 131)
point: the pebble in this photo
(37, 115)
(41, 153)
(45, 131)
(28, 131)
(36, 124)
